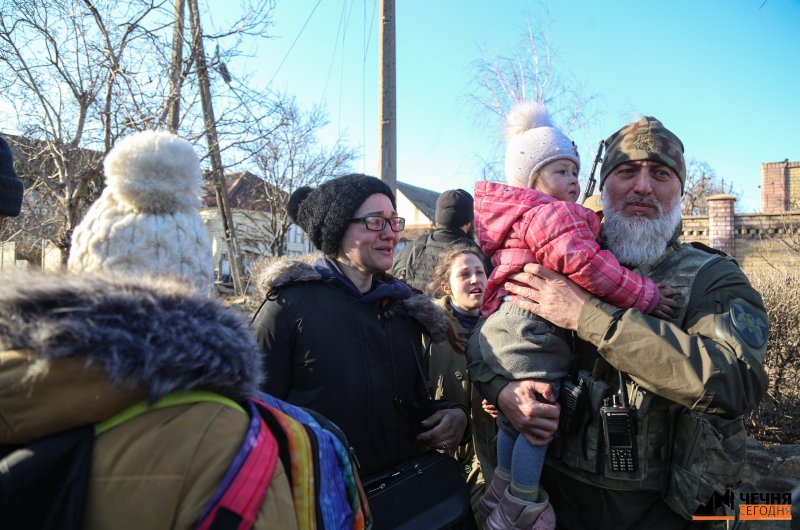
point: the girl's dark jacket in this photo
(360, 365)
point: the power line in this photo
(335, 47)
(294, 42)
(371, 25)
(367, 39)
(341, 73)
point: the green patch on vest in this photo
(748, 324)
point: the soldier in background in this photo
(595, 204)
(416, 262)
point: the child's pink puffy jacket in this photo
(516, 226)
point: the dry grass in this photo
(777, 418)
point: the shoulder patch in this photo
(748, 324)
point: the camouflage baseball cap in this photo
(646, 139)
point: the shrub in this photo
(777, 418)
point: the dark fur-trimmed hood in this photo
(157, 335)
(284, 271)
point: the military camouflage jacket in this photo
(707, 359)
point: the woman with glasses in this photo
(344, 338)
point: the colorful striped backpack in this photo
(321, 466)
(316, 457)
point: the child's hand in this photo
(666, 306)
(489, 409)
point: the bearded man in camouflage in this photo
(661, 438)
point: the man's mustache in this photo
(641, 199)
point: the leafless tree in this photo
(529, 72)
(701, 183)
(290, 158)
(789, 231)
(784, 229)
(76, 75)
(61, 64)
(58, 178)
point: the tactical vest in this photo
(660, 422)
(423, 258)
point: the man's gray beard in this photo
(639, 241)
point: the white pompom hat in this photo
(533, 141)
(146, 221)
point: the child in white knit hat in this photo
(147, 221)
(534, 218)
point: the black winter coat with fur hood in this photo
(359, 365)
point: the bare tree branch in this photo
(289, 158)
(527, 73)
(701, 182)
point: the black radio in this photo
(619, 428)
(573, 399)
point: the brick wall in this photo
(780, 186)
(760, 241)
(767, 240)
(695, 229)
(721, 223)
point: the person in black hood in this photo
(417, 261)
(11, 188)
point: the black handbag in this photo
(426, 492)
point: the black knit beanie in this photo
(11, 188)
(324, 213)
(454, 208)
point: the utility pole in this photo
(217, 171)
(175, 81)
(387, 161)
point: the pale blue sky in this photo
(724, 75)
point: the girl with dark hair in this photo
(459, 282)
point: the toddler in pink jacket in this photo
(534, 219)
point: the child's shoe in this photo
(515, 514)
(498, 485)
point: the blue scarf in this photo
(467, 321)
(380, 290)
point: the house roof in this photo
(248, 191)
(33, 157)
(424, 200)
(245, 190)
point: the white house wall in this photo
(251, 235)
(412, 214)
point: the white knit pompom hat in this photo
(533, 141)
(146, 220)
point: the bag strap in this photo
(170, 400)
(238, 499)
(423, 376)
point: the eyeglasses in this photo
(376, 223)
